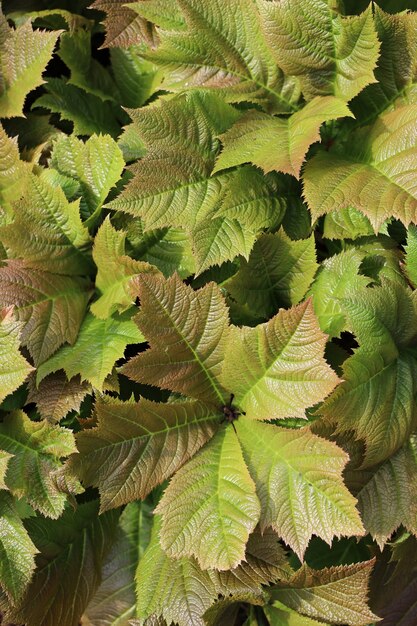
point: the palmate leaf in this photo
(124, 27)
(274, 143)
(335, 594)
(51, 307)
(336, 279)
(212, 516)
(115, 271)
(222, 213)
(17, 552)
(332, 55)
(179, 591)
(278, 274)
(389, 497)
(24, 54)
(299, 483)
(153, 440)
(100, 343)
(377, 398)
(216, 51)
(277, 369)
(56, 396)
(13, 171)
(37, 448)
(14, 369)
(187, 335)
(374, 173)
(69, 566)
(47, 230)
(114, 602)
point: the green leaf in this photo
(124, 27)
(337, 278)
(281, 615)
(187, 333)
(215, 52)
(56, 396)
(411, 255)
(337, 594)
(88, 113)
(100, 343)
(389, 497)
(114, 602)
(170, 253)
(173, 185)
(278, 274)
(72, 550)
(115, 271)
(179, 591)
(13, 171)
(376, 399)
(17, 552)
(153, 439)
(373, 173)
(37, 448)
(136, 79)
(14, 369)
(51, 307)
(4, 461)
(96, 165)
(24, 54)
(46, 230)
(210, 507)
(299, 483)
(269, 369)
(347, 223)
(279, 144)
(332, 55)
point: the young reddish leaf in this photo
(14, 369)
(277, 369)
(335, 594)
(56, 395)
(187, 334)
(153, 439)
(124, 27)
(298, 479)
(210, 506)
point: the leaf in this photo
(136, 78)
(72, 550)
(389, 497)
(13, 171)
(337, 278)
(222, 213)
(115, 271)
(277, 369)
(411, 255)
(17, 552)
(214, 52)
(347, 223)
(171, 253)
(124, 28)
(187, 333)
(48, 229)
(372, 173)
(24, 54)
(14, 369)
(397, 66)
(153, 439)
(281, 615)
(96, 164)
(50, 307)
(179, 591)
(100, 343)
(332, 55)
(376, 399)
(338, 594)
(37, 448)
(210, 506)
(299, 483)
(88, 113)
(278, 274)
(274, 143)
(114, 602)
(4, 461)
(56, 396)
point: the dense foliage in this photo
(208, 315)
